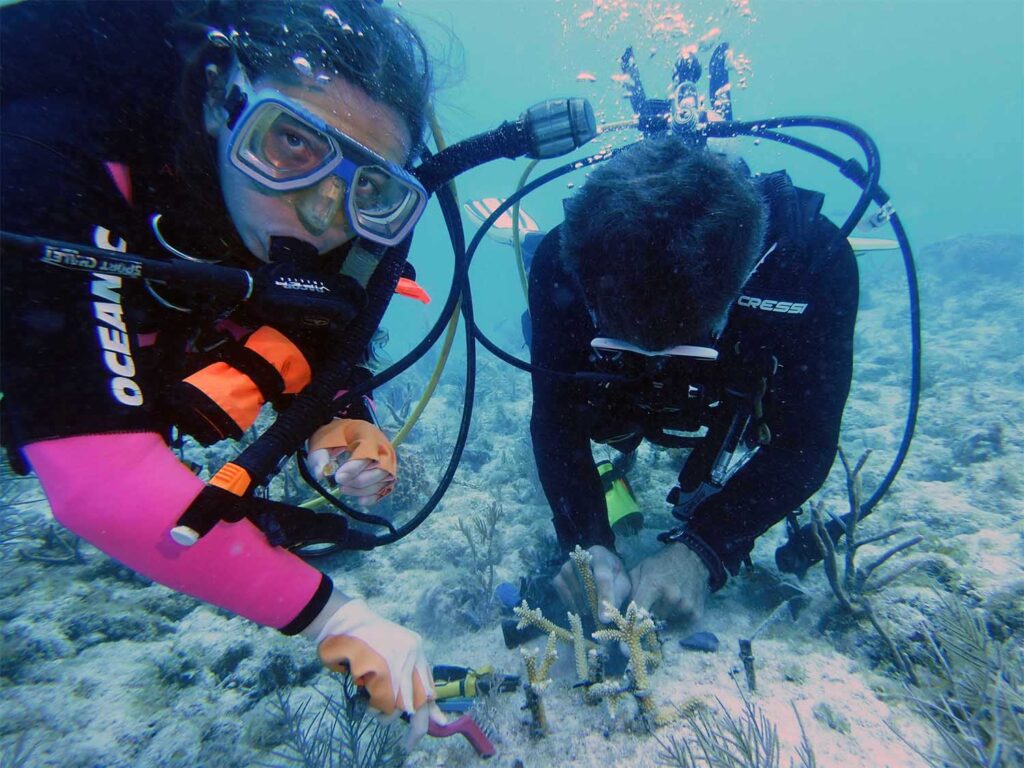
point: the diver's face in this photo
(259, 213)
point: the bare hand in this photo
(672, 584)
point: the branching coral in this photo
(635, 630)
(853, 585)
(537, 680)
(582, 560)
(534, 616)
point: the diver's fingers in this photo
(364, 490)
(611, 580)
(621, 590)
(317, 460)
(436, 714)
(404, 693)
(646, 590)
(350, 469)
(365, 478)
(567, 586)
(604, 578)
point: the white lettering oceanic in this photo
(111, 328)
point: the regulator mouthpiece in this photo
(558, 126)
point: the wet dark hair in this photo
(365, 43)
(661, 238)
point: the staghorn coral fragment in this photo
(537, 681)
(534, 616)
(582, 560)
(579, 647)
(631, 630)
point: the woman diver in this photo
(255, 133)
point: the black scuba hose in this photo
(866, 143)
(314, 406)
(224, 496)
(801, 550)
(459, 289)
(719, 130)
(518, 195)
(450, 210)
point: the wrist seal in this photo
(717, 575)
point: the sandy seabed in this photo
(102, 668)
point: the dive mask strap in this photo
(693, 352)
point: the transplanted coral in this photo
(635, 630)
(537, 680)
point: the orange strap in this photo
(368, 668)
(360, 438)
(235, 393)
(281, 353)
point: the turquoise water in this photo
(939, 85)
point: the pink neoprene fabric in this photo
(124, 492)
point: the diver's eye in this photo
(368, 187)
(290, 145)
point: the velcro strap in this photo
(262, 372)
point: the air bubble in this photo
(218, 39)
(302, 65)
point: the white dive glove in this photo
(384, 658)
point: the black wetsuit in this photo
(91, 152)
(799, 306)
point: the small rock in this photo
(700, 641)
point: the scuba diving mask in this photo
(284, 147)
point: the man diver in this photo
(715, 310)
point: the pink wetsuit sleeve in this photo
(124, 492)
